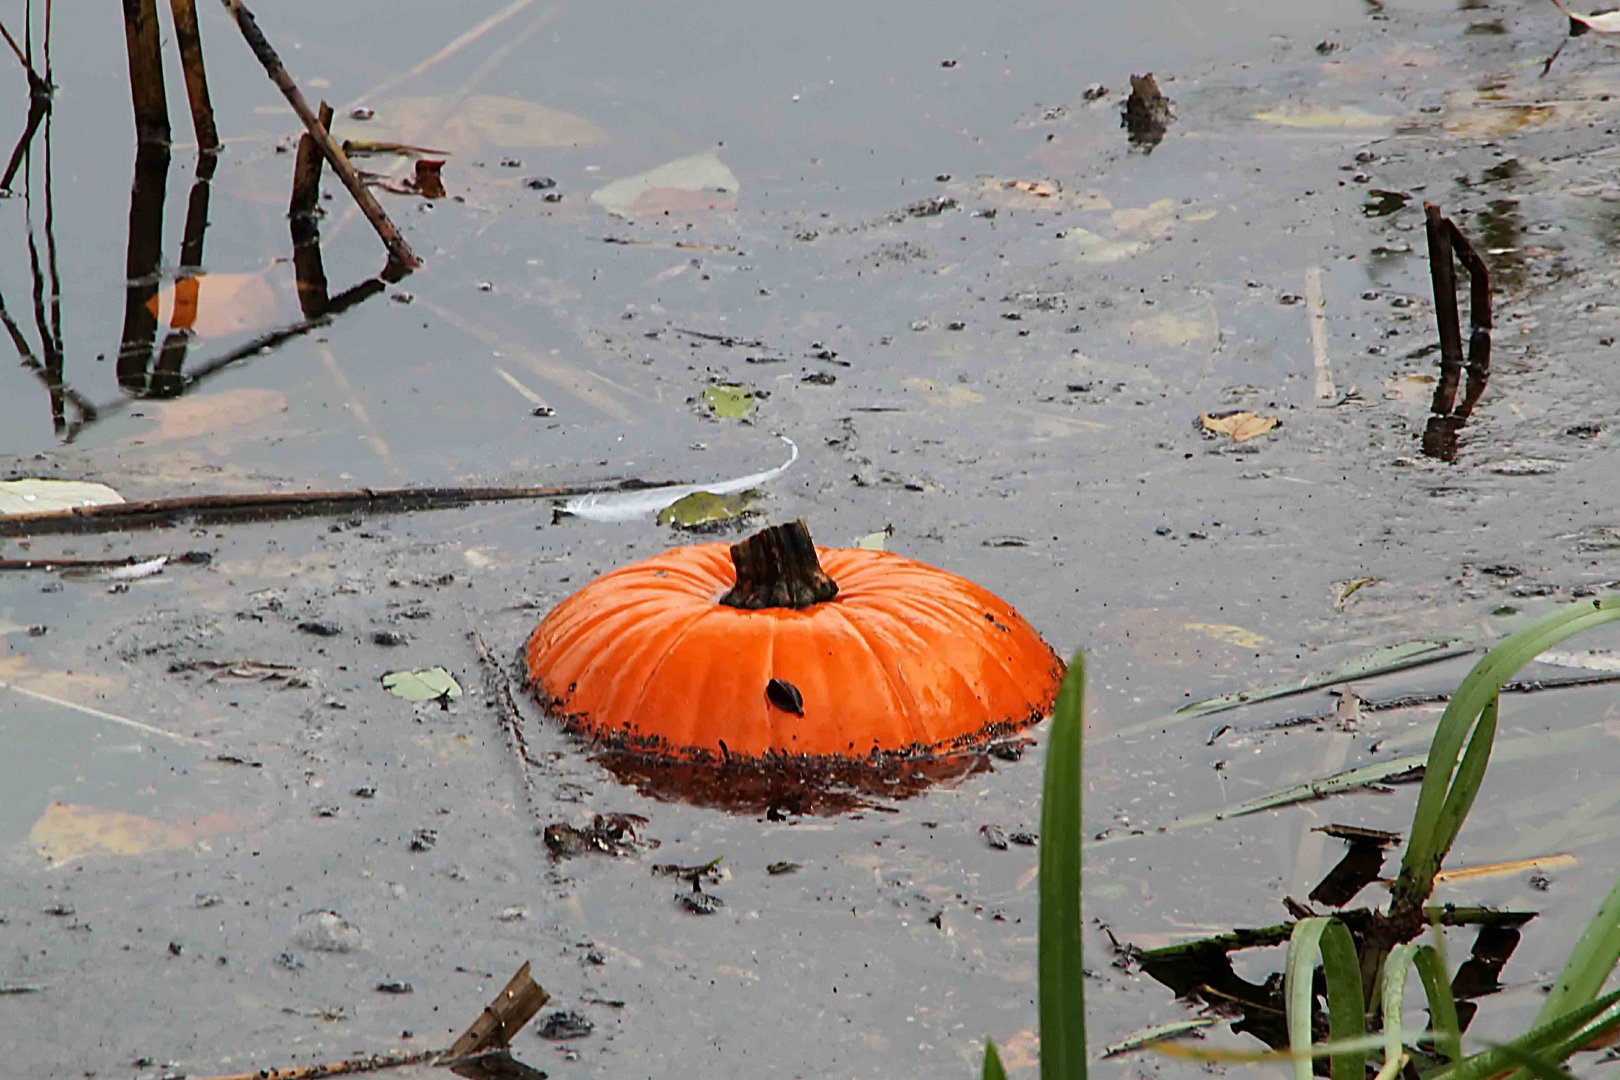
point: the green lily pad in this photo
(704, 511)
(732, 401)
(429, 684)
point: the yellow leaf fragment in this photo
(68, 831)
(1504, 869)
(1349, 118)
(1241, 426)
(1231, 635)
(1044, 189)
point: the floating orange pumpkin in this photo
(756, 652)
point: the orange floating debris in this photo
(773, 647)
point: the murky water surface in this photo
(983, 319)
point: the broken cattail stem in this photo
(191, 62)
(1443, 277)
(399, 251)
(146, 71)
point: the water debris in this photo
(646, 503)
(877, 541)
(704, 511)
(607, 834)
(1241, 426)
(327, 931)
(696, 183)
(428, 684)
(1350, 588)
(1146, 115)
(565, 1024)
(730, 401)
(48, 496)
(244, 671)
(1605, 22)
(69, 831)
(1176, 1029)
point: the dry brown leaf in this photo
(1044, 189)
(1241, 426)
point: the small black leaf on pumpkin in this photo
(785, 696)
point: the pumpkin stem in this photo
(777, 567)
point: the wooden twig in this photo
(500, 690)
(1446, 244)
(146, 71)
(191, 62)
(279, 505)
(399, 251)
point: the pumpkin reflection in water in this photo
(755, 655)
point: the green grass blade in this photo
(992, 1063)
(1442, 1006)
(1432, 831)
(1591, 961)
(1062, 974)
(1555, 1040)
(1469, 779)
(1533, 1064)
(1396, 966)
(1347, 1020)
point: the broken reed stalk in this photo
(280, 505)
(146, 71)
(353, 1067)
(511, 724)
(1448, 245)
(501, 1019)
(306, 185)
(1443, 279)
(191, 62)
(399, 251)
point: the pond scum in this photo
(1365, 954)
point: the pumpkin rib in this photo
(572, 619)
(961, 686)
(906, 713)
(637, 709)
(605, 621)
(968, 613)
